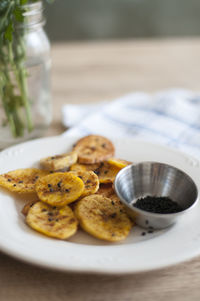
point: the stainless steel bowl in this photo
(155, 179)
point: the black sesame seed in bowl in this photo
(162, 205)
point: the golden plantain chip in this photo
(52, 221)
(84, 167)
(78, 167)
(60, 188)
(108, 191)
(93, 149)
(105, 171)
(27, 206)
(90, 180)
(103, 218)
(118, 162)
(22, 180)
(105, 190)
(59, 162)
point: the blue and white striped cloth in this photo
(170, 118)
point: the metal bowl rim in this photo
(159, 215)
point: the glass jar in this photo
(25, 98)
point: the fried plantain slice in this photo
(105, 190)
(78, 167)
(27, 206)
(60, 188)
(93, 149)
(59, 162)
(84, 167)
(90, 180)
(22, 180)
(104, 170)
(103, 218)
(119, 162)
(52, 221)
(108, 191)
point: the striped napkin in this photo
(170, 118)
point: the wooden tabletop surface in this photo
(87, 72)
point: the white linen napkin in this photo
(170, 118)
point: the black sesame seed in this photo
(54, 207)
(50, 213)
(161, 205)
(67, 190)
(80, 177)
(151, 228)
(51, 171)
(52, 158)
(146, 222)
(50, 219)
(88, 181)
(9, 180)
(49, 185)
(20, 182)
(51, 189)
(113, 203)
(143, 233)
(14, 185)
(105, 172)
(113, 215)
(150, 231)
(103, 145)
(59, 184)
(57, 219)
(44, 210)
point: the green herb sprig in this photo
(13, 74)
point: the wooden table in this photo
(86, 72)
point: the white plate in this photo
(83, 253)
